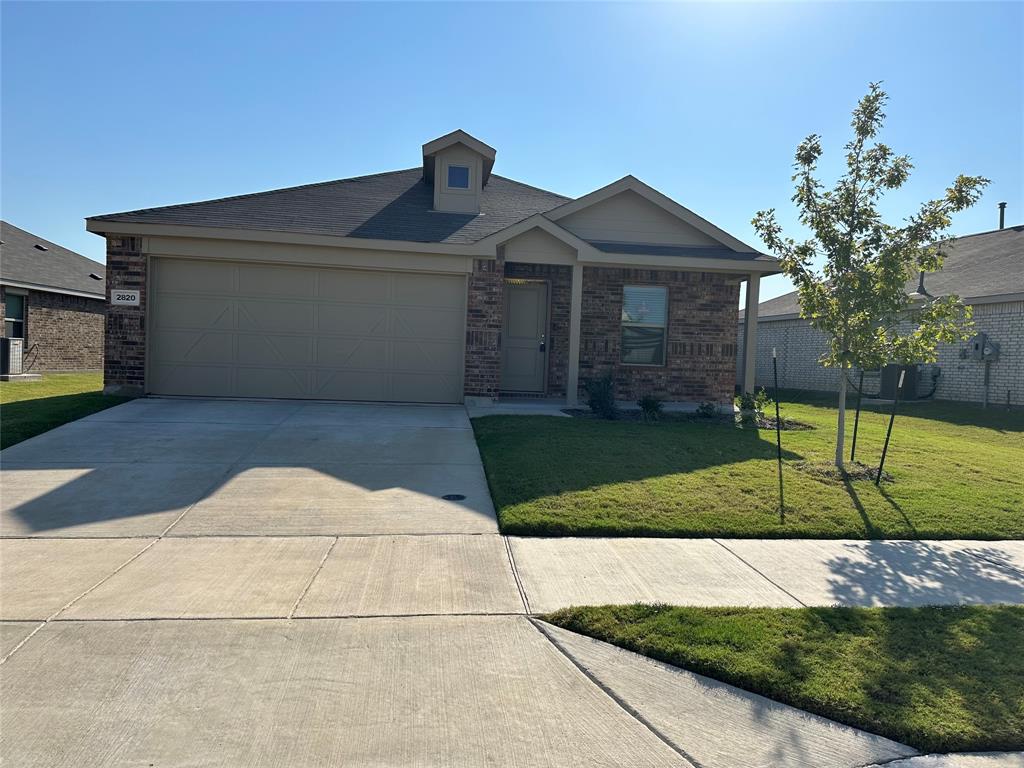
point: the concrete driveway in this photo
(194, 583)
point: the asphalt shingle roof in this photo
(56, 268)
(976, 267)
(390, 206)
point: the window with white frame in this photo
(458, 177)
(644, 321)
(14, 316)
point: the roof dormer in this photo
(458, 166)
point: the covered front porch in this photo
(562, 324)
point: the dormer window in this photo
(458, 167)
(458, 177)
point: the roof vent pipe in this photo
(1002, 215)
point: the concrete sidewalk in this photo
(560, 572)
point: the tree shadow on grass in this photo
(553, 456)
(938, 678)
(870, 529)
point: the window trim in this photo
(466, 190)
(632, 324)
(22, 321)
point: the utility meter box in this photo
(983, 348)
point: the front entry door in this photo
(524, 341)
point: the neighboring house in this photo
(54, 299)
(985, 270)
(440, 283)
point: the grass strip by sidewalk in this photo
(937, 678)
(955, 473)
(29, 408)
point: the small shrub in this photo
(707, 410)
(601, 397)
(762, 401)
(650, 407)
(746, 402)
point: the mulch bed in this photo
(827, 471)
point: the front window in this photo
(458, 177)
(14, 316)
(644, 318)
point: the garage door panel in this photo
(283, 382)
(354, 320)
(194, 346)
(279, 282)
(356, 354)
(271, 315)
(427, 290)
(270, 350)
(426, 356)
(424, 388)
(187, 379)
(354, 286)
(351, 385)
(255, 330)
(197, 312)
(202, 277)
(423, 323)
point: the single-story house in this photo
(986, 270)
(54, 299)
(441, 283)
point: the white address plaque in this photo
(124, 298)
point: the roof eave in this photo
(51, 289)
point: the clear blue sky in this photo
(115, 106)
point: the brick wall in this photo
(559, 279)
(962, 378)
(701, 352)
(124, 369)
(483, 328)
(63, 333)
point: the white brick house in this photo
(986, 270)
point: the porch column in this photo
(750, 331)
(572, 385)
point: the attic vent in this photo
(39, 247)
(94, 276)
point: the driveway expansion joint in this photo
(515, 575)
(53, 616)
(312, 578)
(623, 705)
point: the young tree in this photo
(858, 298)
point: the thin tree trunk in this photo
(841, 426)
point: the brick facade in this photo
(125, 361)
(701, 345)
(701, 350)
(961, 378)
(62, 332)
(484, 302)
(559, 280)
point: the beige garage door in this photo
(254, 330)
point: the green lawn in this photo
(956, 473)
(938, 679)
(28, 408)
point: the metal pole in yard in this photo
(778, 434)
(856, 418)
(892, 418)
